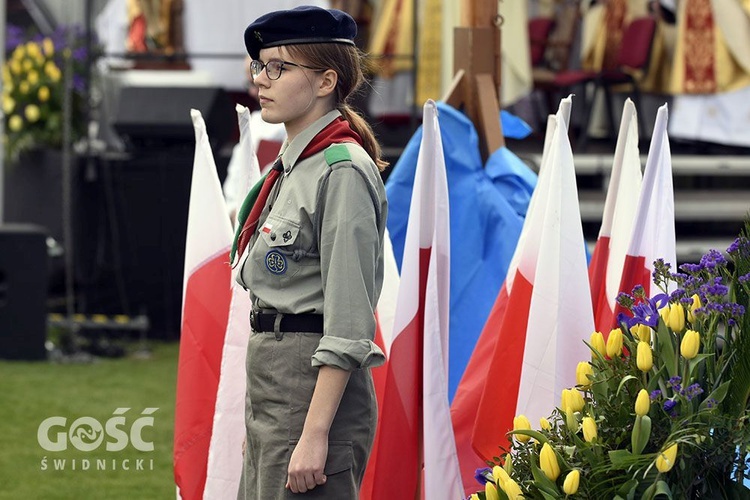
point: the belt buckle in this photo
(254, 320)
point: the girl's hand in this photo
(307, 463)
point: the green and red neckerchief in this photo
(336, 132)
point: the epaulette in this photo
(337, 153)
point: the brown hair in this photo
(347, 61)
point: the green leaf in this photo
(666, 349)
(541, 481)
(620, 459)
(534, 434)
(718, 395)
(641, 434)
(628, 488)
(624, 381)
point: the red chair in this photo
(632, 62)
(539, 31)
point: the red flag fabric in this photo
(533, 339)
(206, 301)
(653, 231)
(415, 452)
(606, 267)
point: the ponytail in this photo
(361, 127)
(348, 63)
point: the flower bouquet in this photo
(661, 409)
(34, 88)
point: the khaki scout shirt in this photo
(319, 248)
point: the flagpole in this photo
(3, 34)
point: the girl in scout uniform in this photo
(309, 251)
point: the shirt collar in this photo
(291, 151)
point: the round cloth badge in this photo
(275, 262)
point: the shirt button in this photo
(273, 236)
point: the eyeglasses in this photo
(274, 68)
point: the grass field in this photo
(33, 392)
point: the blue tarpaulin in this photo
(487, 208)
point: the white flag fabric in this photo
(608, 260)
(545, 309)
(653, 231)
(209, 413)
(415, 444)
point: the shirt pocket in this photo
(278, 232)
(276, 252)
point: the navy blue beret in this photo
(306, 24)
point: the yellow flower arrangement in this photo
(665, 406)
(34, 89)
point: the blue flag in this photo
(487, 209)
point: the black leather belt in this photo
(265, 322)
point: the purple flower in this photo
(483, 475)
(674, 381)
(645, 312)
(669, 406)
(744, 278)
(655, 395)
(737, 244)
(712, 259)
(693, 391)
(691, 268)
(710, 403)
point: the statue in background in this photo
(155, 26)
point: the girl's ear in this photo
(328, 82)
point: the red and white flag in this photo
(605, 269)
(653, 230)
(415, 432)
(533, 339)
(385, 314)
(210, 381)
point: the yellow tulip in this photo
(15, 123)
(33, 77)
(642, 403)
(696, 304)
(664, 313)
(644, 356)
(513, 490)
(597, 343)
(43, 94)
(19, 53)
(571, 400)
(27, 64)
(490, 491)
(500, 476)
(548, 462)
(52, 71)
(589, 429)
(690, 345)
(521, 423)
(614, 343)
(544, 424)
(583, 371)
(676, 320)
(24, 87)
(666, 459)
(15, 67)
(9, 104)
(570, 485)
(32, 49)
(474, 496)
(641, 332)
(32, 113)
(48, 46)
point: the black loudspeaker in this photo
(23, 292)
(149, 117)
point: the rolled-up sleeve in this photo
(350, 250)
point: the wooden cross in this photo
(476, 63)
